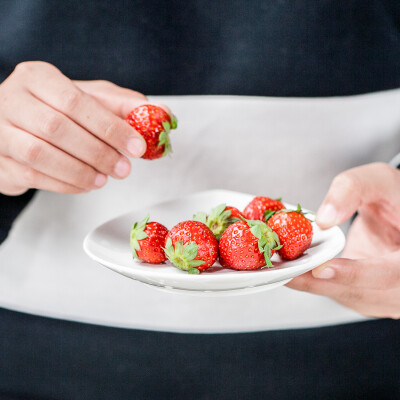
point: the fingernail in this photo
(136, 147)
(325, 273)
(327, 215)
(122, 168)
(100, 180)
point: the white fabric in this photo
(266, 146)
(395, 161)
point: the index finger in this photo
(372, 183)
(61, 94)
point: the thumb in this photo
(378, 273)
(355, 187)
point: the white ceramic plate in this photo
(108, 244)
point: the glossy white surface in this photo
(273, 146)
(109, 245)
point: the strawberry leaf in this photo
(218, 219)
(196, 263)
(138, 233)
(268, 214)
(217, 211)
(174, 122)
(200, 217)
(183, 257)
(167, 127)
(256, 231)
(268, 240)
(141, 235)
(190, 251)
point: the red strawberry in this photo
(247, 245)
(235, 213)
(260, 206)
(219, 218)
(147, 241)
(294, 230)
(154, 124)
(191, 246)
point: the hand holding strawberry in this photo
(366, 278)
(154, 124)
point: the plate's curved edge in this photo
(222, 293)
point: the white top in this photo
(290, 148)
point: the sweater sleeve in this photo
(10, 207)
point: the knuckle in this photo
(353, 296)
(139, 95)
(51, 124)
(84, 176)
(75, 190)
(395, 314)
(351, 275)
(345, 179)
(29, 176)
(392, 277)
(381, 166)
(383, 170)
(102, 157)
(104, 83)
(24, 67)
(31, 153)
(111, 131)
(70, 98)
(27, 67)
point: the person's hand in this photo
(367, 279)
(55, 135)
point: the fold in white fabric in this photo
(290, 148)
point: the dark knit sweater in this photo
(271, 48)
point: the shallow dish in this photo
(108, 244)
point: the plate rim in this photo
(234, 276)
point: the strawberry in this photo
(260, 206)
(154, 124)
(147, 241)
(219, 218)
(247, 245)
(294, 230)
(191, 246)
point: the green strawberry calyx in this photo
(163, 139)
(218, 219)
(174, 121)
(183, 257)
(268, 214)
(268, 240)
(138, 233)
